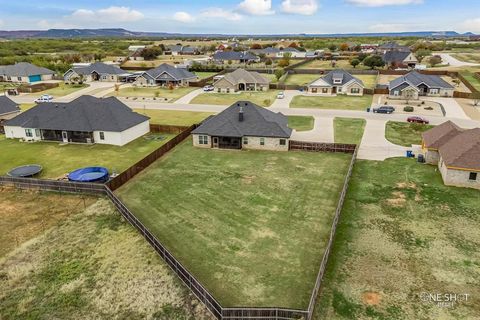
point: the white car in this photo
(280, 95)
(208, 88)
(44, 98)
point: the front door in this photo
(65, 136)
(215, 142)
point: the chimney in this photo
(240, 114)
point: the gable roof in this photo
(24, 69)
(174, 47)
(244, 76)
(257, 122)
(7, 105)
(234, 55)
(463, 150)
(439, 135)
(85, 113)
(175, 73)
(395, 56)
(415, 79)
(337, 74)
(392, 45)
(100, 68)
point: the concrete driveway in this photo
(322, 131)
(452, 61)
(451, 106)
(285, 102)
(189, 97)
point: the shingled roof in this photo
(439, 135)
(395, 56)
(175, 73)
(7, 105)
(24, 69)
(85, 113)
(415, 78)
(100, 68)
(234, 55)
(244, 76)
(257, 122)
(340, 74)
(463, 150)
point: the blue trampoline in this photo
(90, 174)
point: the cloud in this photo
(382, 3)
(184, 17)
(110, 14)
(256, 7)
(305, 7)
(471, 25)
(221, 13)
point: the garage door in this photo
(35, 78)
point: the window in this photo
(202, 139)
(262, 141)
(337, 81)
(434, 91)
(473, 176)
(245, 140)
(37, 132)
(324, 90)
(314, 90)
(29, 133)
(19, 79)
(102, 135)
(104, 77)
(355, 90)
(283, 142)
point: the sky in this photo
(245, 16)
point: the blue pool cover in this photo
(90, 174)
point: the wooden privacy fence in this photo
(53, 185)
(322, 147)
(160, 128)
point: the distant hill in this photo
(122, 33)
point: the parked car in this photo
(417, 119)
(384, 109)
(281, 95)
(208, 88)
(44, 98)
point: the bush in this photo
(408, 109)
(428, 108)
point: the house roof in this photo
(463, 150)
(439, 135)
(175, 73)
(395, 56)
(174, 47)
(85, 113)
(234, 55)
(257, 122)
(189, 49)
(244, 76)
(341, 74)
(7, 105)
(100, 68)
(415, 79)
(137, 53)
(392, 45)
(24, 69)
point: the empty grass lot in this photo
(155, 92)
(250, 225)
(320, 64)
(58, 160)
(301, 123)
(301, 79)
(402, 233)
(81, 263)
(261, 98)
(174, 118)
(369, 81)
(62, 90)
(475, 82)
(340, 102)
(203, 75)
(405, 134)
(347, 130)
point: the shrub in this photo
(428, 108)
(408, 109)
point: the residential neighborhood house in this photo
(337, 82)
(97, 71)
(415, 84)
(235, 57)
(25, 72)
(456, 152)
(8, 108)
(165, 75)
(244, 125)
(392, 46)
(84, 120)
(400, 60)
(241, 80)
(136, 55)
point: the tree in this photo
(344, 47)
(256, 46)
(422, 53)
(332, 47)
(374, 61)
(362, 56)
(285, 62)
(354, 63)
(268, 62)
(279, 73)
(293, 45)
(434, 60)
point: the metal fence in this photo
(322, 147)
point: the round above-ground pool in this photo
(90, 174)
(25, 171)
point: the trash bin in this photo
(368, 109)
(421, 158)
(410, 154)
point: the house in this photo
(337, 82)
(241, 80)
(8, 108)
(97, 71)
(244, 125)
(84, 120)
(174, 50)
(400, 59)
(136, 55)
(189, 50)
(369, 47)
(25, 72)
(164, 75)
(135, 48)
(294, 53)
(415, 84)
(456, 152)
(392, 46)
(235, 56)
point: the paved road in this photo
(448, 59)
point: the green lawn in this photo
(250, 225)
(58, 160)
(348, 130)
(62, 90)
(340, 102)
(405, 134)
(370, 81)
(320, 64)
(301, 79)
(301, 123)
(475, 82)
(261, 98)
(203, 75)
(174, 118)
(402, 232)
(155, 92)
(271, 77)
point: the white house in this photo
(84, 120)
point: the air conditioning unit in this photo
(89, 140)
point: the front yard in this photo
(403, 235)
(301, 79)
(327, 64)
(250, 225)
(160, 93)
(348, 130)
(301, 123)
(261, 98)
(340, 102)
(57, 160)
(405, 134)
